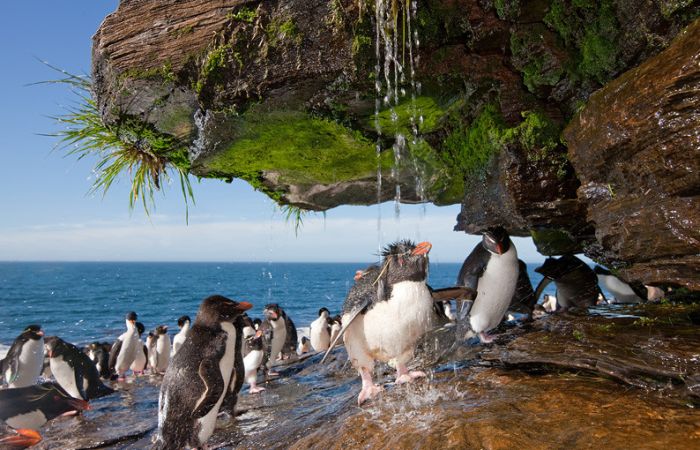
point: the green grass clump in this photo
(215, 61)
(539, 68)
(431, 110)
(278, 32)
(128, 147)
(164, 72)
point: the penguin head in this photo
(161, 330)
(140, 328)
(150, 339)
(131, 319)
(556, 268)
(217, 308)
(255, 342)
(405, 261)
(53, 346)
(33, 332)
(273, 311)
(496, 240)
(183, 320)
(324, 310)
(257, 322)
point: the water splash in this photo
(201, 119)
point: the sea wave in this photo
(3, 350)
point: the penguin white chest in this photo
(319, 334)
(392, 327)
(31, 361)
(127, 353)
(252, 362)
(163, 350)
(226, 363)
(65, 376)
(494, 291)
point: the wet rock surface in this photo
(636, 149)
(623, 377)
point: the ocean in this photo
(85, 302)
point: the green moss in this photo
(669, 7)
(211, 69)
(244, 14)
(578, 335)
(303, 149)
(539, 67)
(507, 9)
(163, 72)
(591, 31)
(552, 241)
(400, 120)
(278, 32)
(359, 43)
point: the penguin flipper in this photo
(473, 267)
(453, 293)
(540, 287)
(79, 384)
(213, 387)
(356, 312)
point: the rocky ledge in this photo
(284, 94)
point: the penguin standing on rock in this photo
(253, 360)
(124, 350)
(74, 370)
(320, 333)
(336, 325)
(491, 269)
(276, 324)
(577, 284)
(140, 357)
(385, 313)
(198, 377)
(184, 324)
(151, 340)
(99, 354)
(622, 292)
(162, 348)
(32, 406)
(24, 361)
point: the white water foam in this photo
(3, 350)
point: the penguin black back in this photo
(84, 372)
(577, 284)
(16, 405)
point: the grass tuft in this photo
(130, 146)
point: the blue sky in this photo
(47, 214)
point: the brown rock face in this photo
(636, 150)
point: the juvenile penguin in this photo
(621, 291)
(320, 332)
(276, 321)
(11, 439)
(24, 361)
(123, 352)
(385, 313)
(577, 284)
(74, 370)
(197, 379)
(32, 406)
(492, 270)
(304, 346)
(184, 324)
(253, 360)
(162, 348)
(99, 354)
(140, 357)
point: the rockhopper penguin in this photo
(124, 350)
(32, 406)
(577, 284)
(197, 379)
(24, 361)
(184, 324)
(492, 270)
(320, 332)
(162, 349)
(74, 370)
(284, 335)
(140, 357)
(253, 360)
(385, 313)
(621, 291)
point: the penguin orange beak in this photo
(244, 306)
(422, 249)
(23, 438)
(79, 405)
(359, 274)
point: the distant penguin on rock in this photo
(124, 350)
(12, 439)
(184, 324)
(162, 348)
(491, 269)
(277, 325)
(198, 378)
(140, 357)
(253, 360)
(621, 291)
(304, 345)
(99, 354)
(151, 341)
(385, 313)
(74, 370)
(320, 332)
(24, 361)
(32, 406)
(336, 325)
(577, 284)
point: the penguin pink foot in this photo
(403, 375)
(486, 338)
(254, 389)
(369, 389)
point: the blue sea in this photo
(85, 302)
